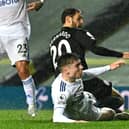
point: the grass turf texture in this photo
(19, 119)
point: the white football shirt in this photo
(63, 90)
(14, 18)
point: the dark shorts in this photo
(98, 87)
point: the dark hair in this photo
(68, 12)
(66, 59)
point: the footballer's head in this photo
(70, 66)
(72, 17)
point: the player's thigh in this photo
(115, 92)
(98, 87)
(17, 49)
(118, 95)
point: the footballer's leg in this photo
(117, 94)
(28, 84)
(105, 94)
(114, 101)
(121, 116)
(106, 114)
(18, 53)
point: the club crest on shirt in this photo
(62, 99)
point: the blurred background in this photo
(108, 21)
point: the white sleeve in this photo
(90, 73)
(59, 117)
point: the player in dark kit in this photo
(73, 39)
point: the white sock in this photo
(29, 89)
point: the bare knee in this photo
(23, 69)
(106, 114)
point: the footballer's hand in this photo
(36, 5)
(126, 55)
(117, 64)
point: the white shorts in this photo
(17, 49)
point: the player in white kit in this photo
(14, 35)
(71, 102)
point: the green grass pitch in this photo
(19, 119)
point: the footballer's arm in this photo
(58, 117)
(105, 52)
(90, 73)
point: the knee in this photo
(23, 69)
(107, 114)
(111, 113)
(116, 94)
(121, 101)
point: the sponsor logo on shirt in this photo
(8, 2)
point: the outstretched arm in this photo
(108, 52)
(90, 73)
(105, 51)
(36, 5)
(116, 64)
